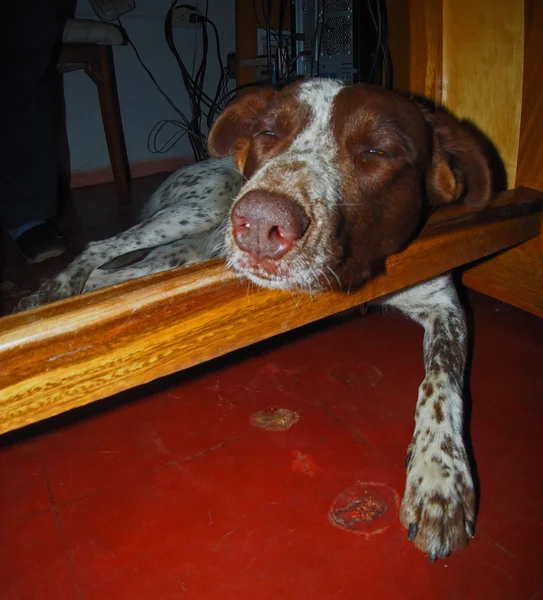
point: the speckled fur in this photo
(438, 506)
(178, 225)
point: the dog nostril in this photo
(267, 225)
(277, 231)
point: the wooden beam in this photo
(71, 353)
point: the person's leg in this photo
(30, 34)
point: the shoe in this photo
(41, 242)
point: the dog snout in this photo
(267, 225)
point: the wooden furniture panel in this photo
(483, 54)
(530, 152)
(481, 59)
(426, 48)
(514, 276)
(73, 352)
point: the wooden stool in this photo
(87, 45)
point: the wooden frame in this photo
(73, 352)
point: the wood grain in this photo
(514, 276)
(530, 152)
(73, 352)
(483, 54)
(426, 48)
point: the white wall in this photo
(141, 103)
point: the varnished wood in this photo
(509, 107)
(426, 48)
(483, 53)
(113, 124)
(514, 276)
(77, 55)
(73, 352)
(97, 61)
(530, 151)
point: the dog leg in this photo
(190, 203)
(438, 506)
(163, 228)
(170, 256)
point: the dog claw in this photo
(412, 532)
(470, 528)
(432, 557)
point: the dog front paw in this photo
(50, 291)
(438, 507)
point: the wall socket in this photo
(185, 17)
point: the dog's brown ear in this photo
(460, 170)
(235, 123)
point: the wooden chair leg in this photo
(106, 84)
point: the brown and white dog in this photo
(338, 179)
(329, 181)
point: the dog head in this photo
(338, 178)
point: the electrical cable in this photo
(387, 58)
(193, 86)
(381, 25)
(378, 27)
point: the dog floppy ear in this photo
(460, 169)
(234, 125)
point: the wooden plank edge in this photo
(87, 348)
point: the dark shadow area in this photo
(467, 395)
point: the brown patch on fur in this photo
(241, 152)
(448, 446)
(379, 188)
(459, 167)
(236, 122)
(428, 389)
(438, 412)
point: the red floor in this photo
(172, 491)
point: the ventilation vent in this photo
(338, 36)
(337, 5)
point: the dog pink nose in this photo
(267, 224)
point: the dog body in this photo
(335, 179)
(178, 225)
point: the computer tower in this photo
(340, 39)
